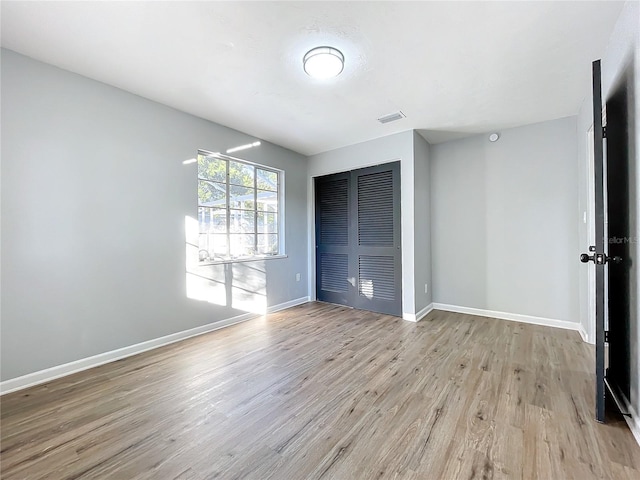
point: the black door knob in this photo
(585, 257)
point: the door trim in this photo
(590, 240)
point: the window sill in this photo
(241, 260)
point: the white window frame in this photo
(280, 210)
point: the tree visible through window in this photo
(238, 208)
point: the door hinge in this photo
(606, 336)
(604, 132)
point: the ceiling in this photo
(453, 68)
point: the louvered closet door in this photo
(332, 239)
(375, 232)
(358, 256)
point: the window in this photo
(239, 208)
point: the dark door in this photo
(597, 252)
(612, 252)
(621, 223)
(358, 255)
(332, 238)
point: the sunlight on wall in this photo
(239, 285)
(249, 286)
(206, 290)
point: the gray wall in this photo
(374, 152)
(94, 202)
(504, 230)
(620, 63)
(422, 222)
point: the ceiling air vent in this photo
(392, 117)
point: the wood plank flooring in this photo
(324, 392)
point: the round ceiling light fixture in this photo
(323, 62)
(494, 137)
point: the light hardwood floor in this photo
(324, 392)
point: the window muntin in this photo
(239, 208)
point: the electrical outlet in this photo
(297, 277)
(426, 288)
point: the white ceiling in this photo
(454, 68)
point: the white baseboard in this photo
(516, 317)
(289, 304)
(416, 317)
(634, 422)
(583, 334)
(48, 374)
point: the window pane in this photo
(212, 220)
(212, 168)
(242, 221)
(211, 194)
(212, 247)
(241, 174)
(237, 209)
(242, 197)
(267, 180)
(242, 245)
(267, 244)
(267, 201)
(267, 222)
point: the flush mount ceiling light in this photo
(323, 62)
(494, 137)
